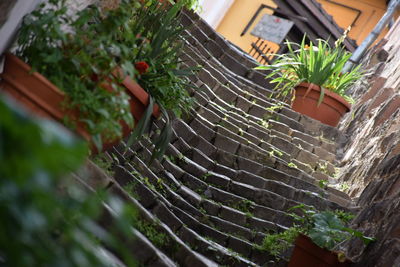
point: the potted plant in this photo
(317, 237)
(312, 75)
(93, 57)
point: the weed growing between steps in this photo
(104, 163)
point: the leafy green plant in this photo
(318, 64)
(277, 243)
(165, 80)
(78, 54)
(47, 221)
(292, 165)
(323, 184)
(327, 229)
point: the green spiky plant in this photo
(319, 64)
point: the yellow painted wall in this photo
(241, 12)
(237, 18)
(371, 12)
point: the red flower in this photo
(141, 67)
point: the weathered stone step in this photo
(162, 208)
(265, 140)
(234, 161)
(279, 111)
(224, 51)
(233, 50)
(240, 246)
(194, 198)
(266, 151)
(256, 185)
(140, 246)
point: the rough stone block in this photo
(176, 171)
(216, 179)
(293, 124)
(323, 154)
(279, 127)
(212, 208)
(257, 111)
(302, 145)
(225, 93)
(184, 130)
(249, 137)
(387, 110)
(181, 145)
(261, 225)
(249, 165)
(229, 172)
(202, 130)
(200, 158)
(244, 190)
(233, 65)
(283, 145)
(190, 196)
(243, 104)
(205, 147)
(251, 179)
(222, 196)
(166, 216)
(240, 246)
(227, 159)
(288, 112)
(308, 158)
(227, 144)
(258, 133)
(305, 137)
(193, 168)
(231, 228)
(193, 182)
(232, 215)
(225, 132)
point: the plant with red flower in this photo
(141, 67)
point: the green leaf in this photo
(143, 124)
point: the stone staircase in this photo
(234, 167)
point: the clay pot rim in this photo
(306, 243)
(11, 57)
(328, 93)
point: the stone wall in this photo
(371, 157)
(372, 126)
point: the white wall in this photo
(213, 11)
(8, 30)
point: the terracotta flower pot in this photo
(44, 99)
(306, 253)
(330, 111)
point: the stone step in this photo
(216, 45)
(200, 186)
(229, 137)
(284, 112)
(163, 209)
(266, 139)
(141, 246)
(232, 50)
(246, 161)
(246, 247)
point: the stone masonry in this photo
(242, 158)
(234, 167)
